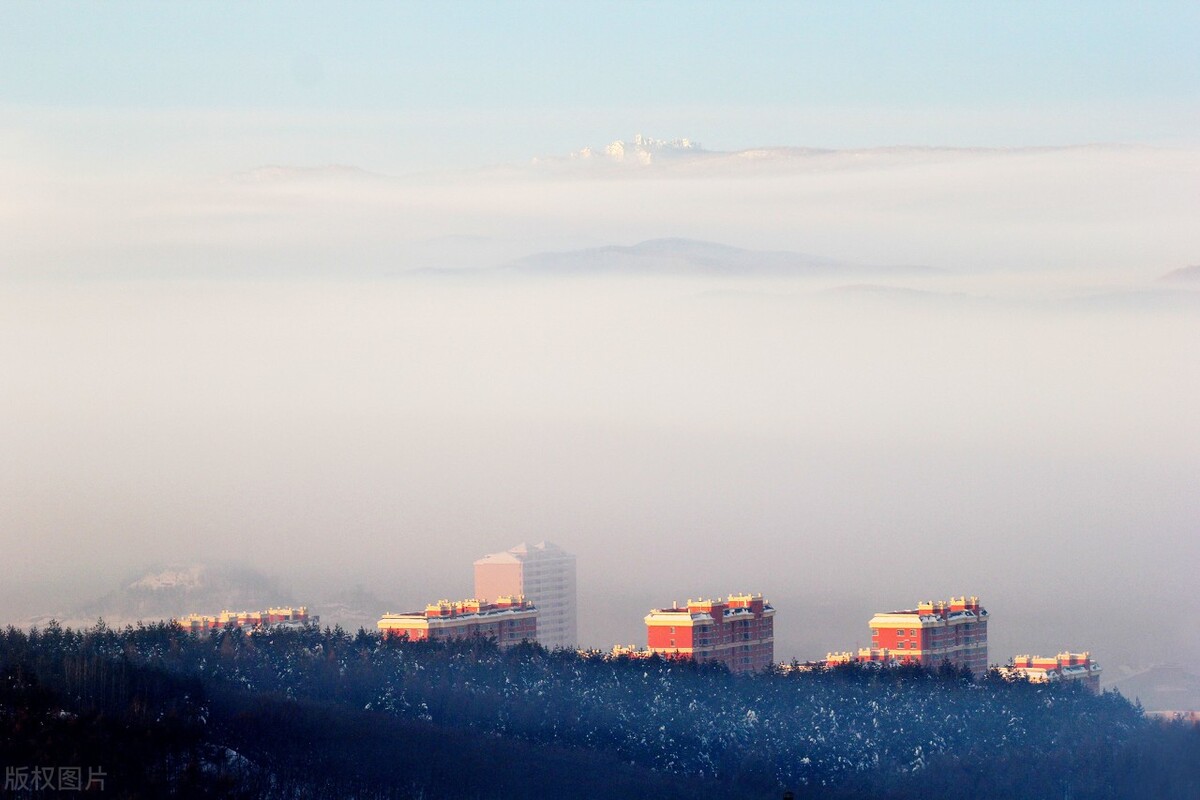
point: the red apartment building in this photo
(930, 634)
(509, 620)
(739, 632)
(272, 617)
(1062, 667)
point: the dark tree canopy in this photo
(325, 713)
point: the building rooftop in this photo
(521, 553)
(465, 609)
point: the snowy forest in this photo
(322, 713)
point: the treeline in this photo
(321, 713)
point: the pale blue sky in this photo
(463, 82)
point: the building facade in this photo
(542, 573)
(931, 634)
(1065, 666)
(509, 620)
(272, 617)
(738, 632)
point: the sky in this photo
(402, 86)
(266, 295)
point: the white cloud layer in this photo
(320, 371)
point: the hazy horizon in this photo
(680, 435)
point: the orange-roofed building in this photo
(509, 620)
(1065, 666)
(271, 617)
(738, 632)
(933, 633)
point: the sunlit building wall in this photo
(1065, 666)
(271, 617)
(933, 633)
(738, 632)
(509, 620)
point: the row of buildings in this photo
(532, 591)
(269, 618)
(739, 632)
(533, 599)
(535, 591)
(956, 632)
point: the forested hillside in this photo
(321, 713)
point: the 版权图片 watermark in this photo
(54, 779)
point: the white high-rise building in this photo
(543, 573)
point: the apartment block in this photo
(1065, 666)
(933, 633)
(738, 632)
(543, 574)
(509, 620)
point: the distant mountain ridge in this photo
(175, 590)
(172, 591)
(1163, 687)
(691, 257)
(641, 150)
(1184, 275)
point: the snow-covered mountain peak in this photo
(640, 150)
(171, 578)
